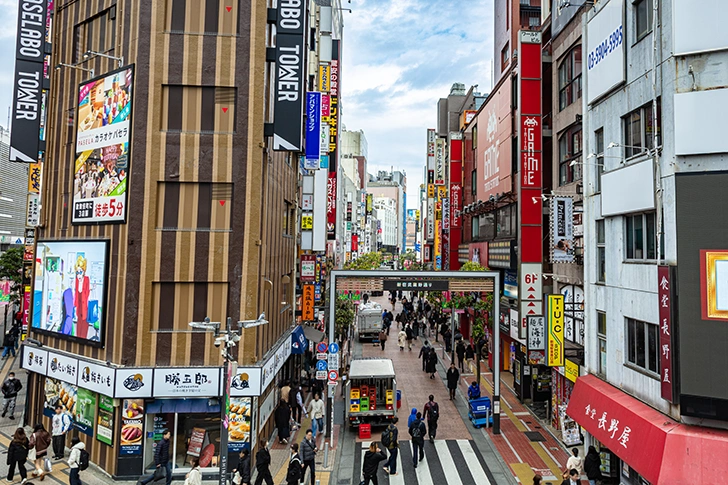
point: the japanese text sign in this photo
(555, 351)
(187, 382)
(62, 368)
(664, 301)
(536, 333)
(98, 378)
(34, 174)
(307, 303)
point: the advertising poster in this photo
(83, 418)
(103, 131)
(197, 438)
(313, 129)
(70, 289)
(562, 229)
(58, 392)
(105, 420)
(132, 422)
(240, 416)
(555, 350)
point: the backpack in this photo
(294, 470)
(416, 430)
(83, 460)
(387, 437)
(434, 411)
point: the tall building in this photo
(13, 195)
(393, 185)
(386, 216)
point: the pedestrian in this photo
(424, 353)
(592, 462)
(447, 337)
(308, 455)
(316, 409)
(10, 389)
(8, 344)
(401, 339)
(293, 474)
(365, 297)
(432, 363)
(372, 458)
(75, 460)
(417, 432)
(17, 454)
(283, 422)
(194, 477)
(60, 425)
(15, 330)
(453, 378)
(460, 353)
(390, 440)
(572, 478)
(262, 464)
(39, 441)
(382, 338)
(432, 414)
(412, 417)
(241, 474)
(537, 479)
(469, 353)
(575, 462)
(409, 334)
(473, 391)
(285, 392)
(299, 406)
(161, 460)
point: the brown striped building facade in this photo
(211, 210)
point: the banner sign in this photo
(34, 177)
(313, 127)
(664, 298)
(555, 351)
(308, 267)
(562, 229)
(440, 162)
(324, 78)
(536, 333)
(331, 205)
(325, 107)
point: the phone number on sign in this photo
(607, 46)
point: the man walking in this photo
(308, 455)
(453, 378)
(382, 338)
(460, 352)
(417, 432)
(432, 414)
(390, 440)
(161, 459)
(10, 389)
(262, 464)
(316, 409)
(61, 425)
(424, 354)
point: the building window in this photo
(474, 182)
(601, 253)
(202, 17)
(602, 342)
(570, 78)
(570, 151)
(639, 129)
(287, 219)
(97, 34)
(643, 16)
(642, 237)
(194, 206)
(70, 125)
(642, 345)
(199, 109)
(599, 145)
(506, 222)
(504, 57)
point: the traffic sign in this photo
(334, 361)
(321, 347)
(333, 375)
(321, 365)
(321, 375)
(332, 388)
(322, 356)
(334, 348)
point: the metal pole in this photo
(332, 327)
(496, 356)
(223, 414)
(452, 333)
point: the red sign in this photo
(664, 300)
(331, 205)
(355, 242)
(196, 439)
(307, 303)
(325, 106)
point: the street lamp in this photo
(226, 340)
(71, 66)
(89, 54)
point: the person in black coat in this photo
(283, 421)
(460, 352)
(262, 464)
(424, 353)
(372, 458)
(432, 363)
(469, 352)
(17, 454)
(453, 377)
(592, 462)
(243, 468)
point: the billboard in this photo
(605, 50)
(313, 128)
(103, 131)
(440, 162)
(555, 340)
(493, 141)
(69, 291)
(562, 229)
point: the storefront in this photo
(562, 385)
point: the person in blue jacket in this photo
(473, 391)
(412, 417)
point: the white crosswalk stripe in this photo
(470, 457)
(447, 463)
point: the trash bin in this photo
(399, 398)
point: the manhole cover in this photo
(535, 436)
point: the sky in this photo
(399, 58)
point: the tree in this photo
(473, 266)
(371, 260)
(344, 317)
(11, 269)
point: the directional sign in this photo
(321, 365)
(322, 347)
(333, 375)
(531, 284)
(334, 361)
(531, 308)
(334, 348)
(321, 375)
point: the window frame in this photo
(641, 34)
(599, 146)
(636, 331)
(569, 174)
(602, 339)
(648, 222)
(635, 148)
(601, 253)
(570, 83)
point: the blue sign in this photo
(321, 365)
(334, 348)
(324, 161)
(317, 291)
(313, 127)
(321, 347)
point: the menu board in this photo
(83, 417)
(196, 441)
(105, 420)
(132, 422)
(240, 421)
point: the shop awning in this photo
(299, 342)
(159, 406)
(660, 449)
(313, 334)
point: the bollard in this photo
(326, 455)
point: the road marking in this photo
(471, 458)
(503, 434)
(448, 464)
(522, 413)
(397, 479)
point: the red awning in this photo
(660, 449)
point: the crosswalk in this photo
(447, 462)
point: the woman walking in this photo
(18, 453)
(382, 338)
(432, 363)
(283, 422)
(401, 339)
(39, 441)
(592, 462)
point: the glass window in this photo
(601, 252)
(570, 151)
(602, 338)
(599, 145)
(570, 78)
(198, 435)
(643, 16)
(474, 228)
(641, 237)
(643, 345)
(639, 130)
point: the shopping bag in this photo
(47, 465)
(31, 454)
(160, 473)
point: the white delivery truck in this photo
(371, 389)
(369, 321)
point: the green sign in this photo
(85, 411)
(105, 420)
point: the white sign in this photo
(133, 382)
(334, 361)
(562, 229)
(97, 378)
(34, 360)
(33, 211)
(514, 324)
(62, 368)
(246, 382)
(605, 36)
(322, 356)
(531, 285)
(275, 362)
(321, 375)
(307, 202)
(536, 333)
(187, 382)
(440, 162)
(308, 269)
(266, 409)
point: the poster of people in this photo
(562, 229)
(103, 131)
(69, 292)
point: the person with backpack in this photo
(17, 454)
(262, 464)
(390, 440)
(417, 432)
(369, 469)
(432, 414)
(77, 461)
(453, 378)
(61, 424)
(10, 389)
(382, 338)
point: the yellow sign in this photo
(441, 192)
(325, 79)
(571, 370)
(431, 191)
(307, 222)
(34, 173)
(417, 215)
(436, 249)
(555, 351)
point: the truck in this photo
(369, 321)
(371, 388)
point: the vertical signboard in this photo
(664, 299)
(324, 78)
(456, 178)
(331, 205)
(290, 76)
(555, 348)
(308, 267)
(103, 131)
(313, 130)
(440, 162)
(562, 230)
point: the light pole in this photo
(226, 340)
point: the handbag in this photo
(237, 479)
(48, 465)
(32, 454)
(160, 473)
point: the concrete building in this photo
(392, 184)
(386, 215)
(13, 195)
